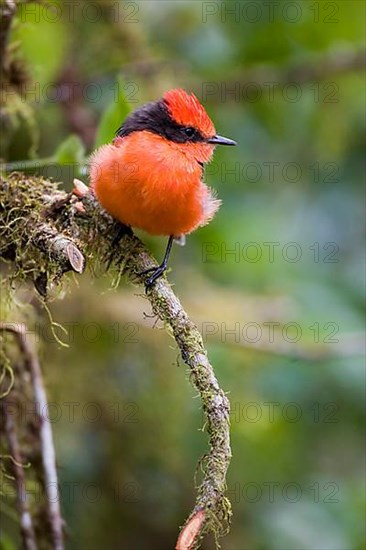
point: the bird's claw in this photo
(157, 272)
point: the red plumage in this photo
(188, 111)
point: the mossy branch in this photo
(31, 366)
(42, 231)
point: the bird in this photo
(151, 175)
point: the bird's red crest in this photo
(185, 109)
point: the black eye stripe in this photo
(156, 118)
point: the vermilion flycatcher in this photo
(150, 177)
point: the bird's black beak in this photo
(220, 140)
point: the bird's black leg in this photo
(121, 230)
(159, 270)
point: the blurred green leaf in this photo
(36, 27)
(114, 114)
(71, 151)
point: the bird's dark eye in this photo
(190, 131)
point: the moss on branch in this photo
(45, 232)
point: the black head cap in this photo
(155, 117)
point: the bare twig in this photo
(26, 525)
(190, 531)
(59, 247)
(45, 434)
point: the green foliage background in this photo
(125, 419)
